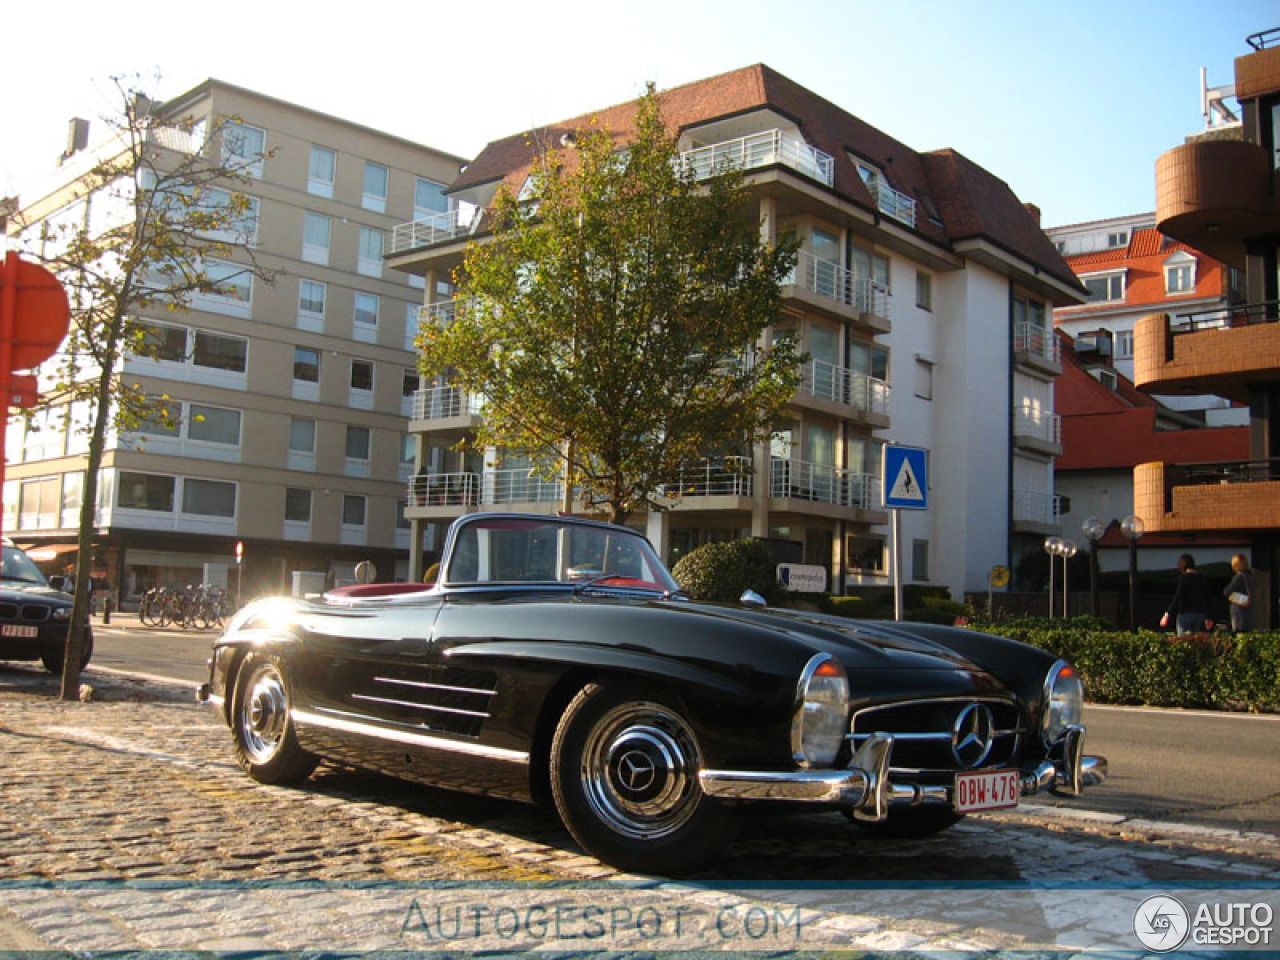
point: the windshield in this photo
(524, 550)
(18, 567)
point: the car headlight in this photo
(820, 723)
(61, 613)
(1063, 701)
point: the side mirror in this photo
(750, 598)
(59, 582)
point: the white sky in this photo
(1069, 103)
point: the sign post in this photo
(904, 473)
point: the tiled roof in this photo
(971, 202)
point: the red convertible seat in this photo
(366, 591)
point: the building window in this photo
(220, 352)
(366, 309)
(429, 198)
(866, 554)
(402, 522)
(302, 435)
(297, 504)
(412, 379)
(924, 290)
(369, 254)
(231, 282)
(357, 442)
(320, 173)
(212, 424)
(1180, 273)
(1118, 239)
(311, 298)
(306, 364)
(316, 234)
(362, 375)
(243, 148)
(353, 510)
(919, 560)
(924, 378)
(375, 187)
(145, 491)
(161, 342)
(1104, 288)
(1123, 340)
(209, 498)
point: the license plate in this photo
(16, 630)
(989, 790)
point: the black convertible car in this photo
(557, 660)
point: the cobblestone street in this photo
(127, 825)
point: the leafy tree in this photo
(613, 320)
(136, 238)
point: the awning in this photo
(43, 552)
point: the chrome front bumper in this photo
(866, 787)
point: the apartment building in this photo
(1218, 195)
(922, 297)
(1131, 269)
(291, 397)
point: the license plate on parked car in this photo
(18, 630)
(989, 790)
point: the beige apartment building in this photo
(291, 397)
(922, 296)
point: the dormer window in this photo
(1105, 287)
(1180, 273)
(1118, 238)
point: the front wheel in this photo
(266, 745)
(624, 775)
(54, 657)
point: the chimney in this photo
(77, 138)
(1034, 212)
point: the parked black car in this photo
(34, 617)
(557, 660)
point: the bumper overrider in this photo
(866, 786)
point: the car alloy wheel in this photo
(266, 745)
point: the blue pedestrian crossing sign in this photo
(905, 476)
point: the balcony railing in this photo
(828, 279)
(723, 477)
(762, 149)
(444, 490)
(801, 480)
(519, 485)
(1038, 424)
(893, 203)
(437, 228)
(1037, 342)
(1238, 315)
(841, 385)
(1223, 471)
(1033, 507)
(442, 312)
(443, 403)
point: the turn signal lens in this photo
(821, 718)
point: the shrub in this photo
(720, 572)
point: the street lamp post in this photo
(1132, 528)
(1067, 550)
(1051, 547)
(1093, 529)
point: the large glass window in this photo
(361, 374)
(165, 343)
(866, 554)
(243, 147)
(302, 435)
(320, 172)
(213, 424)
(429, 198)
(366, 309)
(353, 510)
(1105, 288)
(369, 254)
(297, 504)
(220, 352)
(311, 297)
(357, 443)
(145, 491)
(317, 231)
(230, 281)
(306, 364)
(209, 498)
(375, 186)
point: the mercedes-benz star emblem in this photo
(636, 771)
(971, 735)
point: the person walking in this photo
(1190, 600)
(1239, 594)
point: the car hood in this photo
(16, 591)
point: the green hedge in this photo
(1211, 671)
(920, 605)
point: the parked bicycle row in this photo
(202, 607)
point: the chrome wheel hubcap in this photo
(264, 714)
(639, 771)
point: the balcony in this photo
(1037, 430)
(1241, 495)
(455, 224)
(892, 203)
(765, 149)
(799, 480)
(843, 391)
(446, 412)
(718, 478)
(1036, 512)
(1038, 348)
(1216, 194)
(1218, 351)
(438, 496)
(519, 485)
(830, 288)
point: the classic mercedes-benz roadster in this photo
(557, 660)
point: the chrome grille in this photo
(922, 732)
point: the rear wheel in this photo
(624, 775)
(266, 745)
